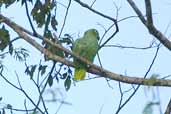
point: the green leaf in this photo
(54, 23)
(41, 11)
(67, 83)
(9, 106)
(48, 34)
(30, 70)
(33, 68)
(42, 69)
(4, 38)
(50, 80)
(35, 112)
(11, 49)
(7, 2)
(21, 54)
(38, 14)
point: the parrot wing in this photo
(80, 68)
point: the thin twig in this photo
(106, 31)
(121, 95)
(104, 16)
(136, 89)
(65, 18)
(59, 107)
(131, 47)
(168, 109)
(27, 13)
(92, 3)
(61, 4)
(21, 91)
(151, 28)
(25, 105)
(95, 11)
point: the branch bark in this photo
(149, 23)
(149, 13)
(23, 33)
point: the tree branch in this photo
(97, 12)
(20, 89)
(149, 13)
(104, 16)
(149, 23)
(138, 12)
(27, 13)
(168, 109)
(93, 68)
(66, 14)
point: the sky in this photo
(95, 96)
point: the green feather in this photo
(86, 47)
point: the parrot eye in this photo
(95, 31)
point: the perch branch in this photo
(93, 68)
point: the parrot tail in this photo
(79, 74)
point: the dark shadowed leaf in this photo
(42, 69)
(54, 23)
(66, 40)
(35, 112)
(21, 54)
(30, 70)
(4, 38)
(0, 98)
(23, 1)
(50, 80)
(9, 106)
(7, 2)
(67, 83)
(11, 49)
(3, 111)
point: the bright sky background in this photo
(89, 97)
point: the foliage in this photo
(148, 109)
(5, 107)
(152, 79)
(42, 15)
(55, 66)
(4, 38)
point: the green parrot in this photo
(87, 47)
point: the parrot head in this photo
(92, 32)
